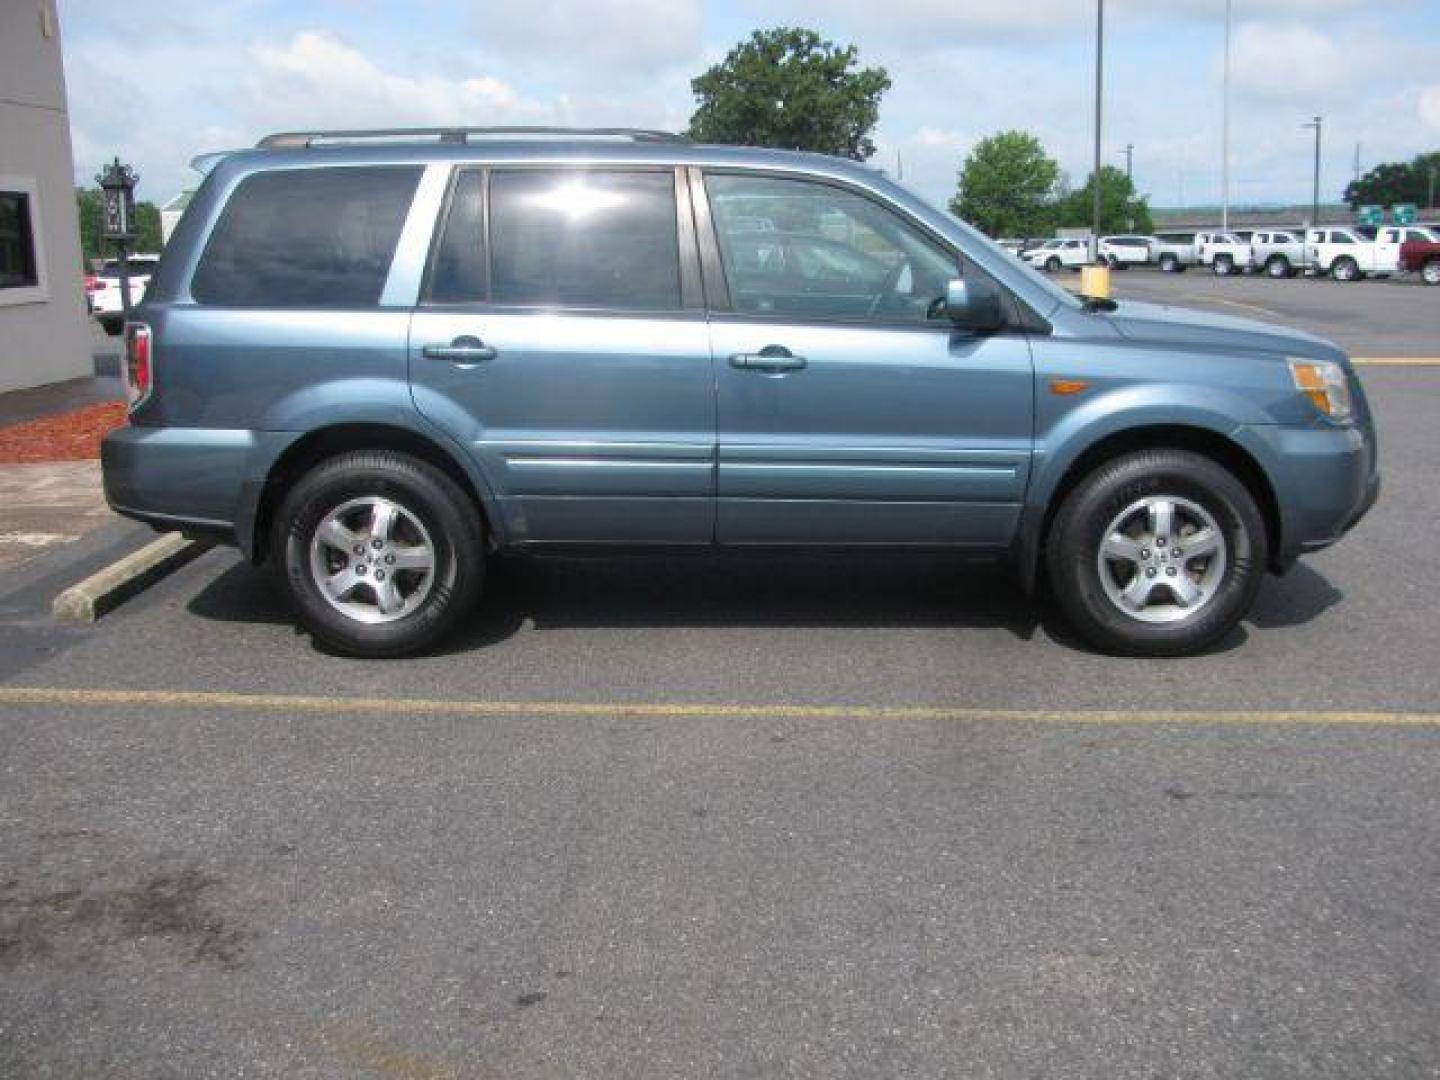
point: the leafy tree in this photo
(1396, 182)
(1121, 210)
(790, 88)
(1008, 186)
(147, 222)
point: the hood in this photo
(1165, 324)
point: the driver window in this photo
(800, 249)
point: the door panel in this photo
(848, 412)
(588, 428)
(885, 436)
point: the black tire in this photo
(1169, 264)
(111, 324)
(1430, 272)
(1278, 266)
(1052, 265)
(447, 514)
(1072, 552)
(1223, 266)
(1345, 269)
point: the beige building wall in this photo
(44, 330)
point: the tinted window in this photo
(823, 252)
(17, 242)
(584, 239)
(306, 238)
(458, 273)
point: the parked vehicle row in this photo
(1342, 253)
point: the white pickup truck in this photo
(1278, 252)
(1389, 239)
(1125, 251)
(1346, 255)
(1225, 253)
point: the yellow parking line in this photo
(1397, 361)
(294, 703)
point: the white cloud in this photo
(1430, 107)
(637, 37)
(1289, 62)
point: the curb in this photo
(108, 588)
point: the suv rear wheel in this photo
(381, 553)
(1157, 553)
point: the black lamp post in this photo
(117, 220)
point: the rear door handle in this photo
(770, 360)
(465, 349)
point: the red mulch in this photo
(71, 436)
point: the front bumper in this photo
(1325, 478)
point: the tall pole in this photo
(1430, 202)
(1225, 132)
(1129, 153)
(1099, 91)
(1317, 124)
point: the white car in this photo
(1054, 254)
(103, 289)
(1278, 252)
(1224, 252)
(1123, 251)
(1346, 255)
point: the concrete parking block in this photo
(103, 591)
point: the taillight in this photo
(137, 363)
(92, 283)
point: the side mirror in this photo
(974, 303)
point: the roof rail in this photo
(304, 140)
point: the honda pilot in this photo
(374, 359)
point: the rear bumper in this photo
(191, 480)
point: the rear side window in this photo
(587, 239)
(306, 238)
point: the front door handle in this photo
(465, 349)
(771, 360)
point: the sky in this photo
(195, 77)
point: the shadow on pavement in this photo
(739, 590)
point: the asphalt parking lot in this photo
(831, 816)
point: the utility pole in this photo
(1225, 131)
(1099, 91)
(1430, 202)
(1318, 124)
(1129, 153)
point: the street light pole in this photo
(1129, 153)
(1318, 123)
(1225, 132)
(1099, 90)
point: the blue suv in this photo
(373, 358)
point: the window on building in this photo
(17, 242)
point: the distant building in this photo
(1180, 218)
(44, 328)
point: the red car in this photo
(1421, 257)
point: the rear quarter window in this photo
(296, 238)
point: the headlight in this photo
(1325, 384)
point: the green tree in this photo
(87, 205)
(790, 88)
(1397, 182)
(1121, 209)
(1008, 186)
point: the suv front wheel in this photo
(381, 553)
(1157, 553)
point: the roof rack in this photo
(304, 140)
